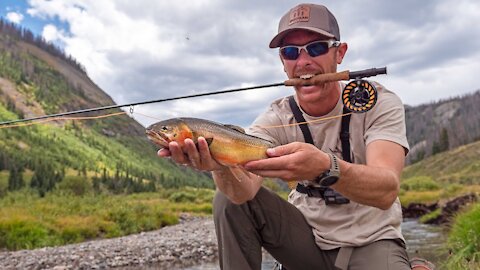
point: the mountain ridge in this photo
(111, 151)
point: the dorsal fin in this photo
(237, 128)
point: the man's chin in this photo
(306, 91)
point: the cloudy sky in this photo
(144, 49)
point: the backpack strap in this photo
(300, 119)
(344, 132)
(345, 135)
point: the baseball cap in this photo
(312, 17)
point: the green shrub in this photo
(75, 185)
(124, 219)
(451, 190)
(419, 183)
(427, 217)
(24, 234)
(30, 221)
(182, 196)
(192, 195)
(464, 240)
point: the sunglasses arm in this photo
(338, 76)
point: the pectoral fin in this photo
(209, 141)
(242, 174)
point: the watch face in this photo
(328, 180)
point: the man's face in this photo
(306, 65)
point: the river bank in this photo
(191, 244)
(188, 243)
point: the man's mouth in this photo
(306, 76)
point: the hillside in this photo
(442, 125)
(37, 79)
(459, 165)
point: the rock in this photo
(452, 207)
(416, 210)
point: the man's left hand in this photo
(293, 161)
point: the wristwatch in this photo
(330, 176)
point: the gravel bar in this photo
(191, 242)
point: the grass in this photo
(464, 240)
(427, 192)
(28, 221)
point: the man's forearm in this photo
(374, 186)
(237, 190)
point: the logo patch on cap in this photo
(299, 14)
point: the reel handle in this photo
(338, 76)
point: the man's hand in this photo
(293, 161)
(189, 155)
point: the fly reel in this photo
(359, 96)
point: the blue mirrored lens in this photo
(318, 48)
(290, 53)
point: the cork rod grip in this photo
(320, 78)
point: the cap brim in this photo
(277, 40)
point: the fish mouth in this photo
(157, 138)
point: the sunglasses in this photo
(314, 49)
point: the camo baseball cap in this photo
(312, 17)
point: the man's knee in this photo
(224, 209)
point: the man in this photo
(360, 230)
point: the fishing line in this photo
(62, 118)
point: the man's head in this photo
(311, 17)
(309, 41)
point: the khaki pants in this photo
(270, 222)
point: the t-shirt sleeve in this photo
(387, 120)
(268, 126)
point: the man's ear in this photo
(341, 51)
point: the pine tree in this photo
(15, 178)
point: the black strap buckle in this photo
(329, 195)
(332, 197)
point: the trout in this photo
(229, 145)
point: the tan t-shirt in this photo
(350, 224)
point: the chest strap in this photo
(344, 132)
(329, 195)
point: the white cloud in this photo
(51, 33)
(14, 17)
(142, 50)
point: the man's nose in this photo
(303, 57)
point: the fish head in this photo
(171, 130)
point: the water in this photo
(424, 241)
